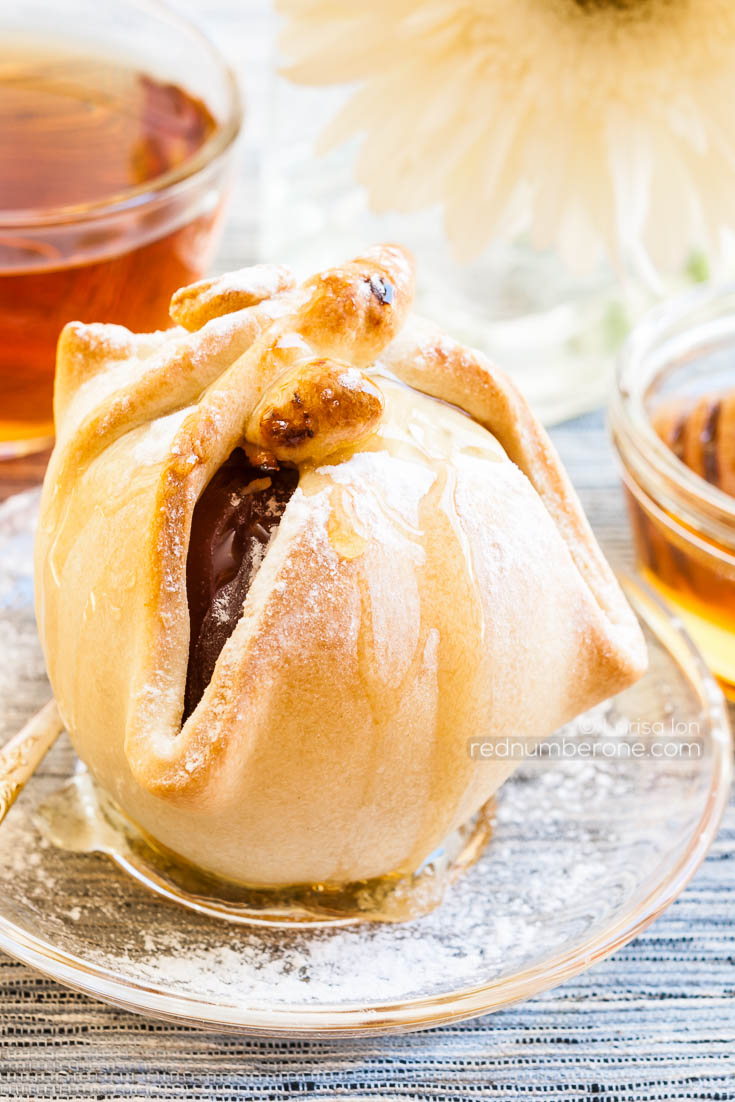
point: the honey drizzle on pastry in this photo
(190, 406)
(405, 578)
(340, 315)
(434, 363)
(418, 433)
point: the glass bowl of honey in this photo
(118, 123)
(672, 419)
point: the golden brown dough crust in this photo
(433, 578)
(195, 305)
(312, 411)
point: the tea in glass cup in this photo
(116, 143)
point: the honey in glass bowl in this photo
(113, 176)
(667, 424)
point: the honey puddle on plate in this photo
(80, 818)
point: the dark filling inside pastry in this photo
(233, 522)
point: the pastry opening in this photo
(234, 521)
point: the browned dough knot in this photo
(320, 407)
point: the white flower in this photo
(592, 124)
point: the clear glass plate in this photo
(586, 851)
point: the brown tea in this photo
(75, 133)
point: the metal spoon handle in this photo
(21, 756)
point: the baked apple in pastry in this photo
(294, 555)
